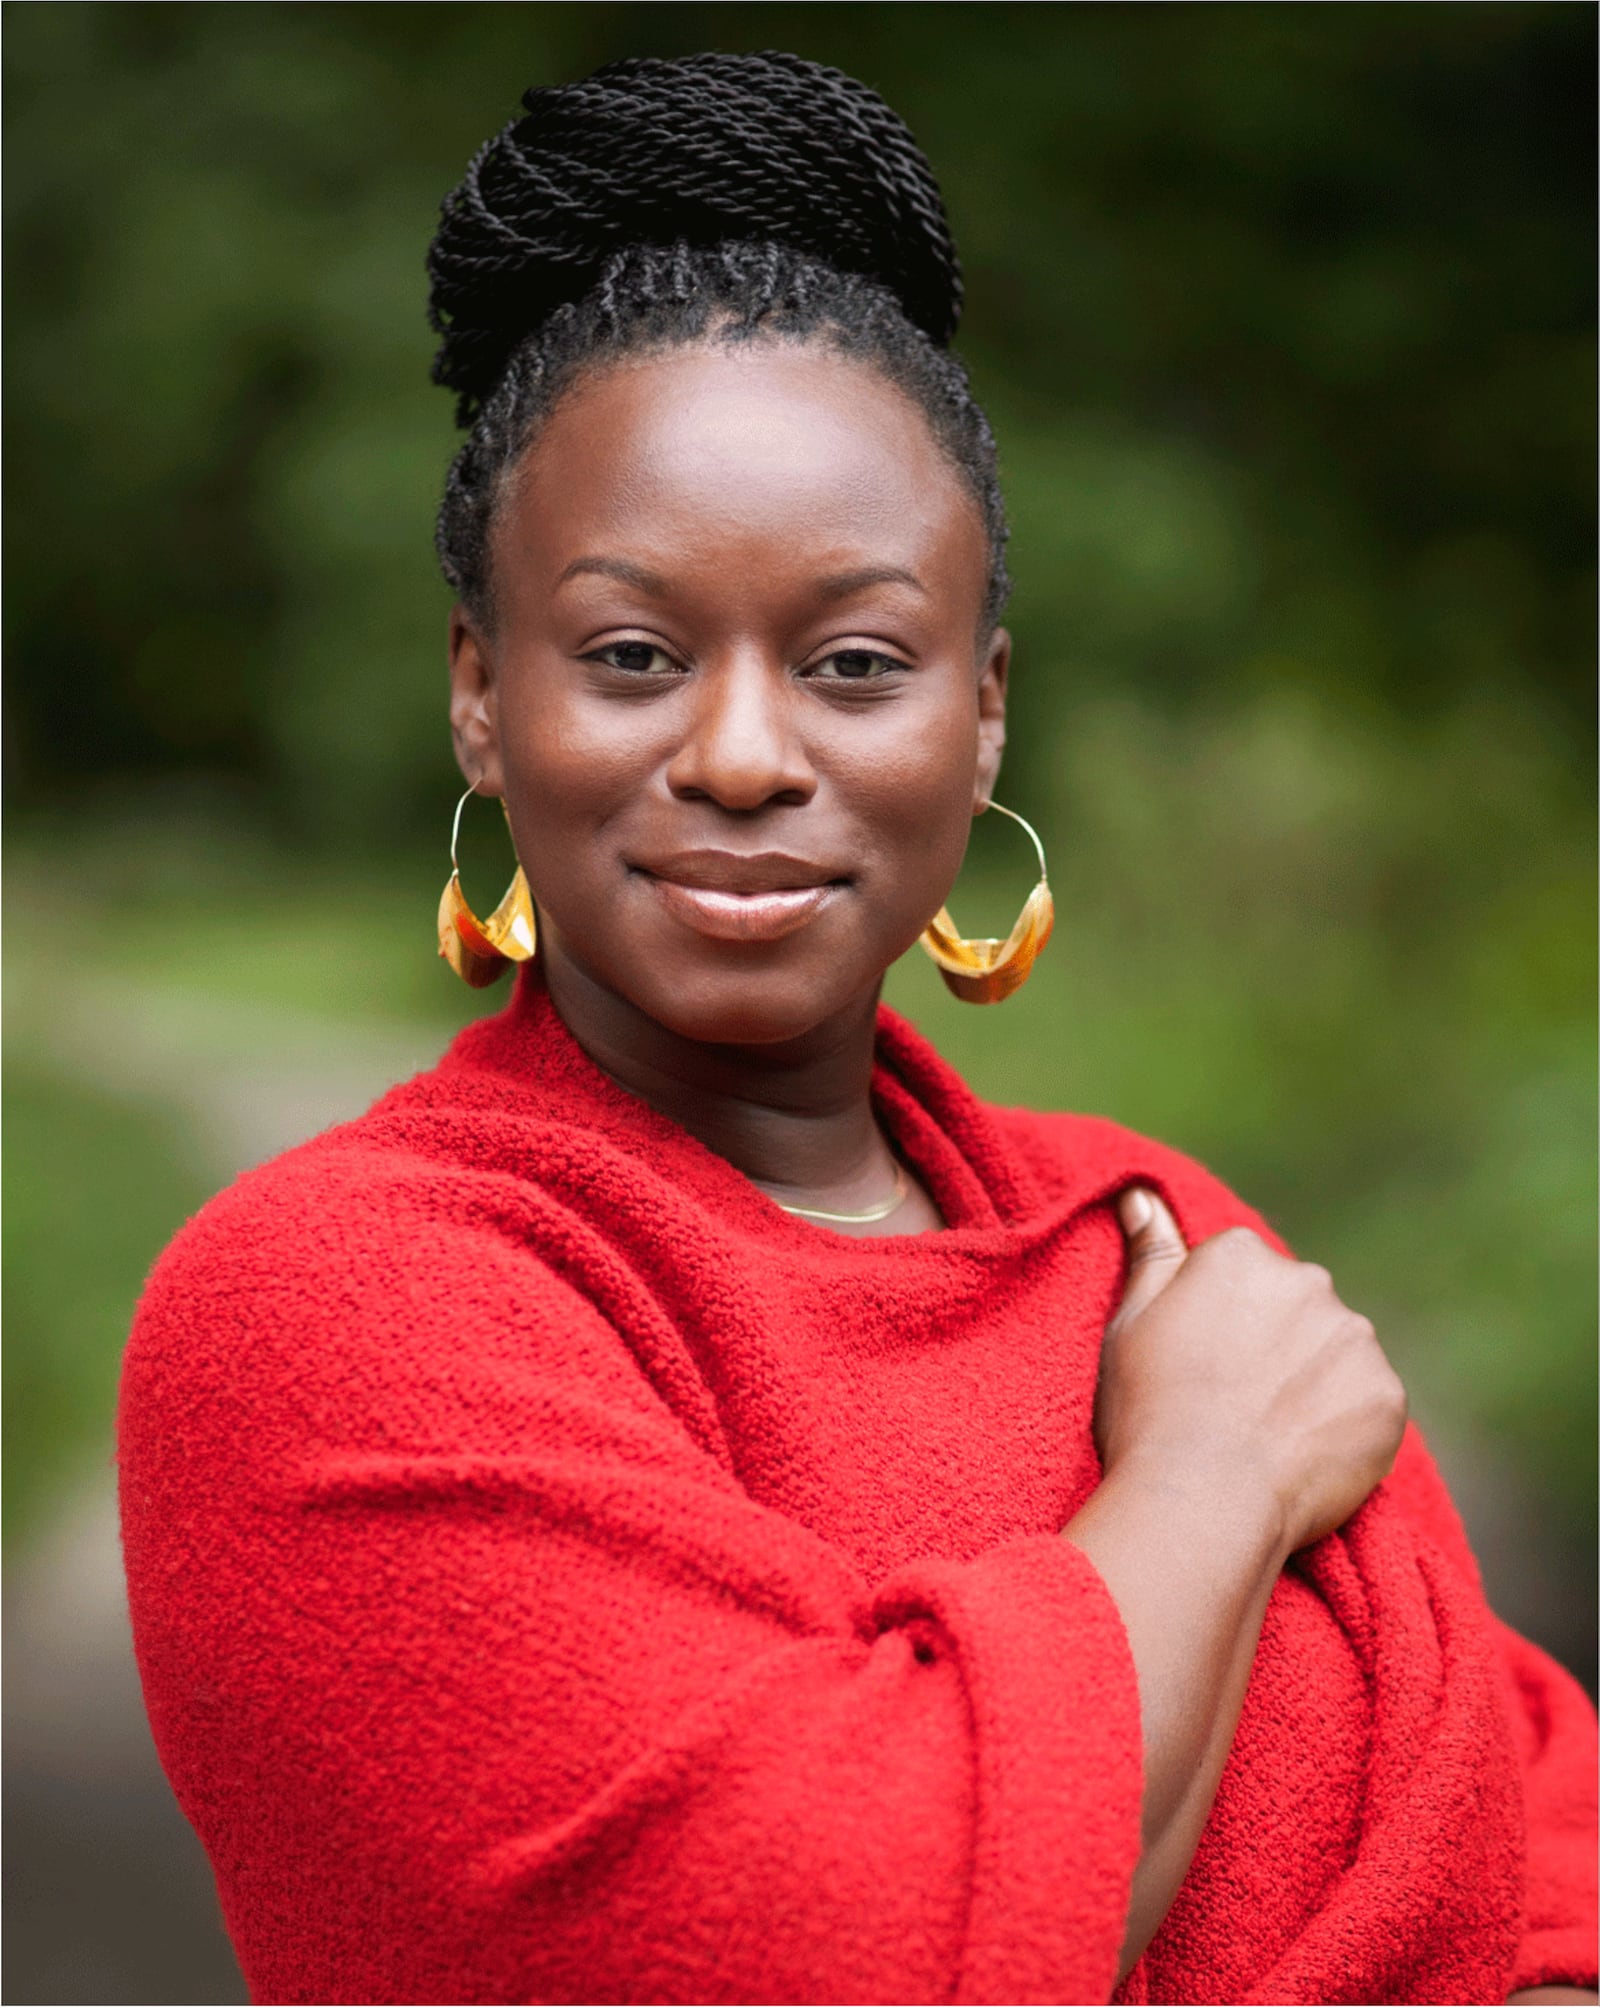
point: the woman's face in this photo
(731, 693)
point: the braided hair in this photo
(659, 204)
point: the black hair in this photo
(658, 204)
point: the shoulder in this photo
(355, 1300)
(1083, 1158)
(458, 1157)
(361, 1258)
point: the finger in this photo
(1156, 1248)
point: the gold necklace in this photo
(878, 1212)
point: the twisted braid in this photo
(657, 204)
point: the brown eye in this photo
(855, 665)
(636, 658)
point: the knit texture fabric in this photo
(558, 1574)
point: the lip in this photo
(728, 897)
(740, 871)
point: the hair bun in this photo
(764, 148)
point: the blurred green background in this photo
(1284, 318)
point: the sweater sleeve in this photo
(482, 1677)
(1553, 1725)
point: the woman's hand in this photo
(1228, 1366)
(1242, 1412)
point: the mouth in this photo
(732, 898)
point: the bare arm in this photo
(1242, 1413)
(1192, 1593)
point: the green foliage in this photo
(93, 1187)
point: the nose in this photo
(743, 748)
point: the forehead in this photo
(765, 452)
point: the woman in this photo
(683, 1502)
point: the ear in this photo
(474, 704)
(991, 717)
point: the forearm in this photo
(1190, 1564)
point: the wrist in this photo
(1223, 1488)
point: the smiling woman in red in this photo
(683, 1501)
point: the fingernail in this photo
(1137, 1211)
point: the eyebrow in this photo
(838, 586)
(637, 575)
(843, 583)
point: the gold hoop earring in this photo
(990, 971)
(480, 951)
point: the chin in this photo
(770, 1008)
(765, 995)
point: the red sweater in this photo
(558, 1574)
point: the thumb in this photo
(1156, 1249)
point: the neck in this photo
(795, 1116)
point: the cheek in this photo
(914, 797)
(570, 763)
(929, 759)
(564, 783)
